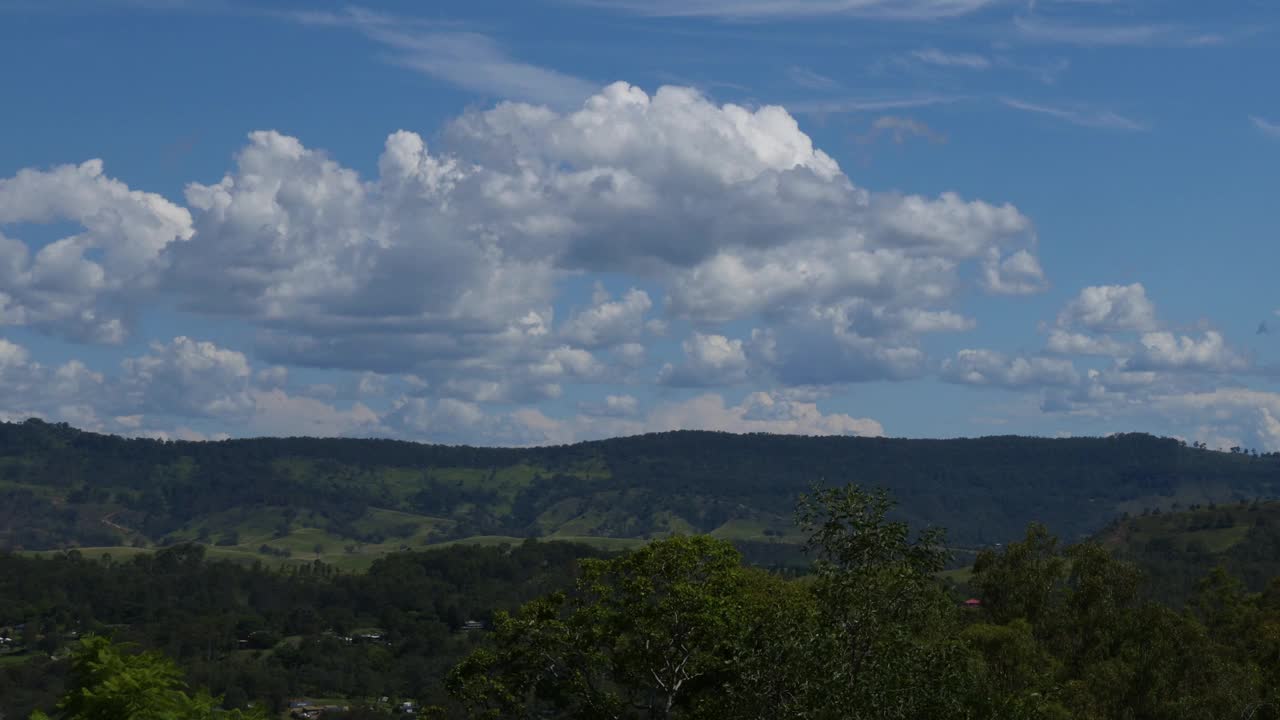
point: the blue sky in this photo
(539, 222)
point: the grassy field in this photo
(754, 530)
(1183, 496)
(575, 520)
(1203, 525)
(584, 524)
(607, 544)
(124, 553)
(1219, 539)
(1217, 528)
(959, 576)
(357, 560)
(674, 524)
(18, 658)
(278, 537)
(38, 490)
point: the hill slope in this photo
(347, 498)
(1178, 549)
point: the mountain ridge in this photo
(350, 498)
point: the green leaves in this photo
(1020, 582)
(884, 646)
(640, 636)
(1017, 674)
(109, 684)
(679, 629)
(1069, 633)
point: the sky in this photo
(538, 222)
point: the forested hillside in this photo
(255, 633)
(347, 501)
(680, 629)
(1176, 550)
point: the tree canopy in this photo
(108, 683)
(681, 628)
(60, 487)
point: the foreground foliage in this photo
(682, 630)
(265, 635)
(679, 629)
(110, 684)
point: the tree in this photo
(646, 635)
(883, 646)
(1017, 675)
(110, 684)
(1020, 581)
(1228, 612)
(1070, 634)
(679, 629)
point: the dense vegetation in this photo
(257, 633)
(107, 682)
(347, 501)
(358, 570)
(1176, 550)
(679, 629)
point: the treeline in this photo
(680, 629)
(57, 483)
(254, 633)
(1177, 550)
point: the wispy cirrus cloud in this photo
(469, 60)
(1084, 117)
(761, 9)
(1266, 127)
(806, 78)
(901, 129)
(850, 105)
(936, 59)
(1062, 32)
(941, 58)
(50, 6)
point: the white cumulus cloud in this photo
(708, 360)
(452, 265)
(81, 286)
(609, 322)
(758, 412)
(1065, 342)
(1110, 308)
(1166, 351)
(988, 367)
